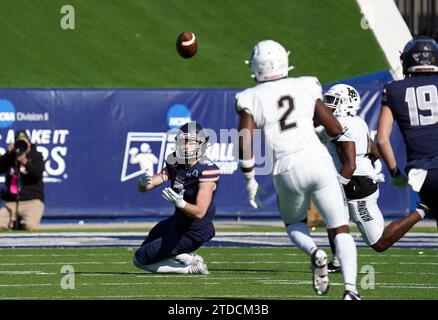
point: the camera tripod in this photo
(16, 224)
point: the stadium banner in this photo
(96, 144)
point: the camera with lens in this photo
(20, 147)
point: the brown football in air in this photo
(187, 44)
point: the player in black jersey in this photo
(413, 104)
(193, 178)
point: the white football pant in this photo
(369, 219)
(311, 175)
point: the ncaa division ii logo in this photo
(141, 150)
(7, 113)
(147, 150)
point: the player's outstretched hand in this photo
(177, 199)
(145, 179)
(254, 192)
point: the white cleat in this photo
(320, 272)
(193, 258)
(198, 268)
(196, 258)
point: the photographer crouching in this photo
(23, 194)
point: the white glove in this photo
(177, 199)
(254, 190)
(380, 177)
(145, 179)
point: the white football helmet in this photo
(344, 99)
(269, 61)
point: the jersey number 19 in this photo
(424, 98)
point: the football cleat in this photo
(195, 258)
(198, 268)
(320, 272)
(351, 295)
(333, 268)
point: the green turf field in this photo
(249, 273)
(131, 43)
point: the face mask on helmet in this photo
(343, 99)
(269, 61)
(420, 55)
(191, 142)
(188, 148)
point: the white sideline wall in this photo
(389, 28)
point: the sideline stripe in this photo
(222, 239)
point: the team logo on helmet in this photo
(343, 99)
(420, 55)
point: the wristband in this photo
(395, 172)
(343, 180)
(181, 204)
(247, 164)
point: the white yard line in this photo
(212, 262)
(147, 283)
(38, 273)
(377, 255)
(63, 255)
(27, 285)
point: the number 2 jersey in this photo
(414, 105)
(284, 110)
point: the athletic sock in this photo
(347, 255)
(421, 212)
(300, 236)
(336, 261)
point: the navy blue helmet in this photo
(420, 55)
(191, 141)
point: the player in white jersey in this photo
(285, 109)
(353, 154)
